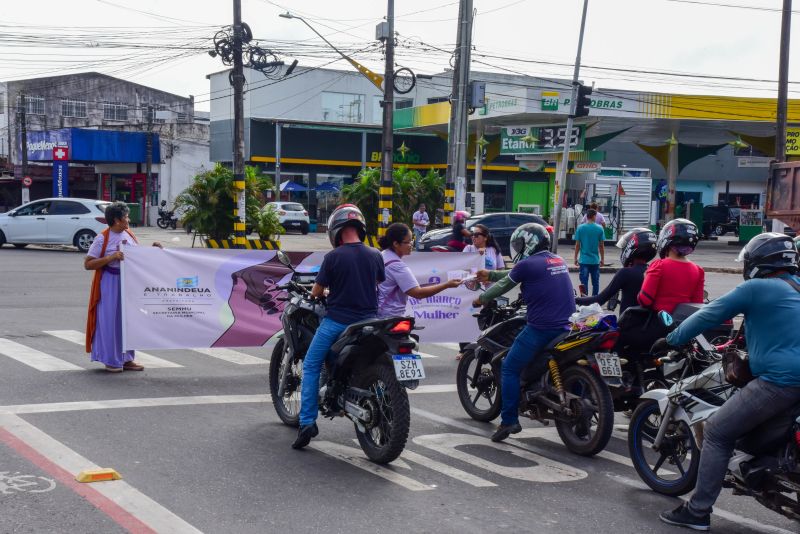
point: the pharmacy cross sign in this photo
(60, 153)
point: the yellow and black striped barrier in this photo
(250, 244)
(371, 241)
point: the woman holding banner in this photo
(400, 282)
(104, 323)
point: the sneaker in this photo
(304, 435)
(111, 369)
(503, 431)
(132, 366)
(683, 517)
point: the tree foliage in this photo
(410, 188)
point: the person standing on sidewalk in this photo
(590, 252)
(421, 222)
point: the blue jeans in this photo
(325, 336)
(583, 275)
(528, 344)
(418, 238)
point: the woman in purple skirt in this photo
(104, 324)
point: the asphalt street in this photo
(200, 448)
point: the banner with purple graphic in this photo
(202, 298)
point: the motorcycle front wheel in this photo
(672, 470)
(282, 367)
(385, 437)
(588, 430)
(478, 388)
(174, 224)
(162, 223)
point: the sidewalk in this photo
(713, 256)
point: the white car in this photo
(291, 215)
(54, 221)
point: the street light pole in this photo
(562, 169)
(387, 138)
(240, 210)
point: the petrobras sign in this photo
(40, 144)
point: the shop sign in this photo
(40, 144)
(60, 171)
(550, 100)
(753, 162)
(540, 139)
(793, 141)
(398, 157)
(586, 166)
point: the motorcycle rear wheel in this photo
(162, 223)
(589, 434)
(487, 388)
(287, 406)
(677, 447)
(386, 439)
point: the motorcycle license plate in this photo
(408, 367)
(608, 364)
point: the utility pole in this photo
(561, 177)
(457, 137)
(387, 141)
(23, 134)
(783, 83)
(239, 211)
(148, 169)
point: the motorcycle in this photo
(166, 218)
(366, 381)
(665, 437)
(565, 383)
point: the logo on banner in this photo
(60, 153)
(188, 282)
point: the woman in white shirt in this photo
(483, 241)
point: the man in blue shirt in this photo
(770, 301)
(590, 251)
(352, 272)
(548, 294)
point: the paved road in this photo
(200, 447)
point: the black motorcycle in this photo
(374, 364)
(565, 383)
(166, 218)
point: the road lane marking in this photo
(451, 346)
(356, 458)
(51, 407)
(148, 360)
(434, 388)
(543, 469)
(447, 470)
(34, 358)
(426, 355)
(127, 506)
(232, 356)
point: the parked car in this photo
(500, 224)
(291, 215)
(54, 221)
(719, 220)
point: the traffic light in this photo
(584, 101)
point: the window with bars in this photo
(34, 105)
(115, 112)
(73, 108)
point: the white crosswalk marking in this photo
(232, 356)
(426, 355)
(451, 346)
(34, 358)
(148, 360)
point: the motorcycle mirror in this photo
(163, 203)
(666, 318)
(284, 258)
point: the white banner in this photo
(202, 298)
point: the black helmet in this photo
(529, 239)
(342, 216)
(677, 233)
(638, 243)
(767, 253)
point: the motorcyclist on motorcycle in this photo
(770, 301)
(549, 296)
(638, 247)
(351, 272)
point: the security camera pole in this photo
(562, 169)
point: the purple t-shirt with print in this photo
(392, 296)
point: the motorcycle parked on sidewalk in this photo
(666, 433)
(166, 218)
(374, 364)
(565, 383)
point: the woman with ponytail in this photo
(400, 282)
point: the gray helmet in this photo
(529, 239)
(342, 216)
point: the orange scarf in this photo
(94, 295)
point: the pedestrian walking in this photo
(104, 322)
(590, 252)
(420, 222)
